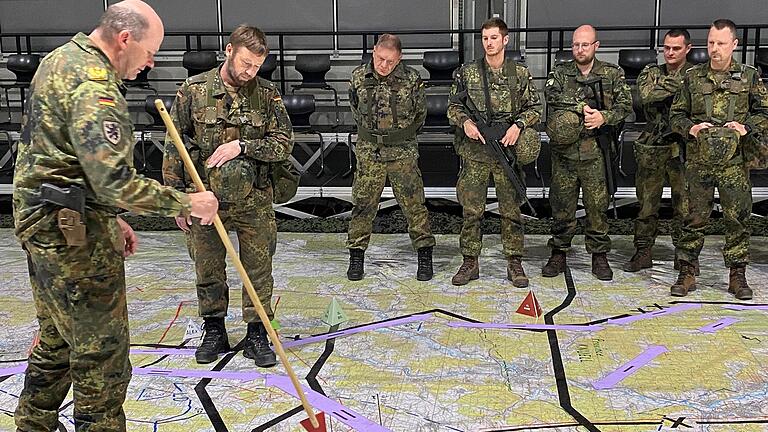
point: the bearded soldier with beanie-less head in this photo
(577, 160)
(74, 171)
(238, 133)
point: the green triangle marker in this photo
(334, 315)
(275, 324)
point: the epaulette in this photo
(197, 79)
(266, 83)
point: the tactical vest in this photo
(718, 145)
(236, 178)
(370, 131)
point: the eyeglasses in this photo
(583, 45)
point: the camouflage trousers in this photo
(655, 166)
(408, 188)
(735, 188)
(472, 192)
(257, 238)
(79, 295)
(567, 177)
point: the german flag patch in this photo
(107, 101)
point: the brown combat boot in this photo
(696, 269)
(642, 259)
(686, 280)
(469, 270)
(515, 272)
(555, 265)
(737, 283)
(600, 267)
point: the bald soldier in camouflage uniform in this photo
(721, 105)
(657, 150)
(576, 158)
(74, 171)
(514, 101)
(238, 129)
(389, 107)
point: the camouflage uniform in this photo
(77, 132)
(512, 105)
(741, 90)
(657, 152)
(393, 105)
(580, 164)
(207, 114)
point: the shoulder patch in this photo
(111, 130)
(97, 74)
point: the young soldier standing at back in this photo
(658, 148)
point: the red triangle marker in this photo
(530, 306)
(307, 424)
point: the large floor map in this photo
(428, 356)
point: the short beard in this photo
(232, 78)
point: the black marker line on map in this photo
(561, 380)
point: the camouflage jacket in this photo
(564, 91)
(76, 131)
(508, 105)
(657, 88)
(208, 116)
(383, 104)
(742, 82)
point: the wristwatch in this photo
(520, 124)
(242, 148)
(747, 128)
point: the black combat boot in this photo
(555, 265)
(356, 269)
(600, 267)
(515, 272)
(686, 280)
(214, 342)
(642, 259)
(257, 346)
(737, 283)
(469, 270)
(425, 272)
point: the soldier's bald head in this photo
(133, 16)
(587, 31)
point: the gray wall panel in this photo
(283, 15)
(37, 16)
(572, 13)
(356, 15)
(185, 16)
(705, 11)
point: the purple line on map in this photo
(163, 351)
(654, 314)
(746, 307)
(569, 327)
(329, 406)
(719, 325)
(613, 378)
(323, 337)
(195, 373)
(14, 370)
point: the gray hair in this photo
(118, 18)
